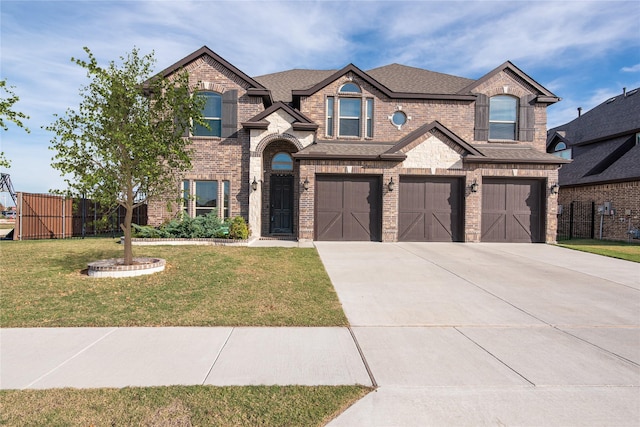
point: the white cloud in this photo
(632, 69)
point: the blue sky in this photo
(583, 51)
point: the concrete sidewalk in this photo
(120, 357)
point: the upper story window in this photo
(503, 117)
(282, 162)
(369, 124)
(562, 151)
(350, 88)
(212, 114)
(329, 131)
(350, 113)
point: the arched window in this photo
(282, 162)
(503, 117)
(212, 114)
(562, 151)
(350, 88)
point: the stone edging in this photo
(113, 267)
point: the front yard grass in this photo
(178, 406)
(42, 285)
(622, 250)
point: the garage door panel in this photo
(512, 210)
(430, 209)
(348, 208)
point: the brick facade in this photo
(246, 156)
(625, 202)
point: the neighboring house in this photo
(391, 154)
(604, 144)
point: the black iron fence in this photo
(577, 221)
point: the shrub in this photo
(147, 231)
(238, 228)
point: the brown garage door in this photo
(512, 210)
(348, 208)
(430, 209)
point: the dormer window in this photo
(562, 151)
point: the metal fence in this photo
(577, 221)
(46, 216)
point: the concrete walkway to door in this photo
(490, 334)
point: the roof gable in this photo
(378, 85)
(204, 50)
(301, 122)
(543, 94)
(430, 127)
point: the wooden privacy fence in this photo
(47, 216)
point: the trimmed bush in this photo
(238, 228)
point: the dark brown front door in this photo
(512, 210)
(348, 208)
(282, 204)
(430, 209)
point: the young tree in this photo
(124, 145)
(6, 112)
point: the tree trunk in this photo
(126, 227)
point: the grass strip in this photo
(43, 285)
(178, 406)
(621, 250)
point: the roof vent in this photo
(610, 100)
(632, 92)
(579, 111)
(624, 91)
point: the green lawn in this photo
(177, 406)
(43, 285)
(622, 250)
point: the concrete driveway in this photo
(490, 334)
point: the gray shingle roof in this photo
(398, 78)
(509, 153)
(402, 78)
(602, 141)
(281, 84)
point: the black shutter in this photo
(527, 118)
(481, 132)
(229, 113)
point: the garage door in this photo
(430, 209)
(512, 210)
(348, 208)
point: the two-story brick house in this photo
(391, 154)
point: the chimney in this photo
(579, 111)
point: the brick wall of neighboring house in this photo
(220, 159)
(625, 201)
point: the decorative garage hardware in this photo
(554, 188)
(474, 186)
(391, 185)
(305, 184)
(254, 184)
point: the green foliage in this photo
(208, 226)
(6, 112)
(124, 144)
(238, 228)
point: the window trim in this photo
(330, 119)
(341, 117)
(210, 118)
(515, 122)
